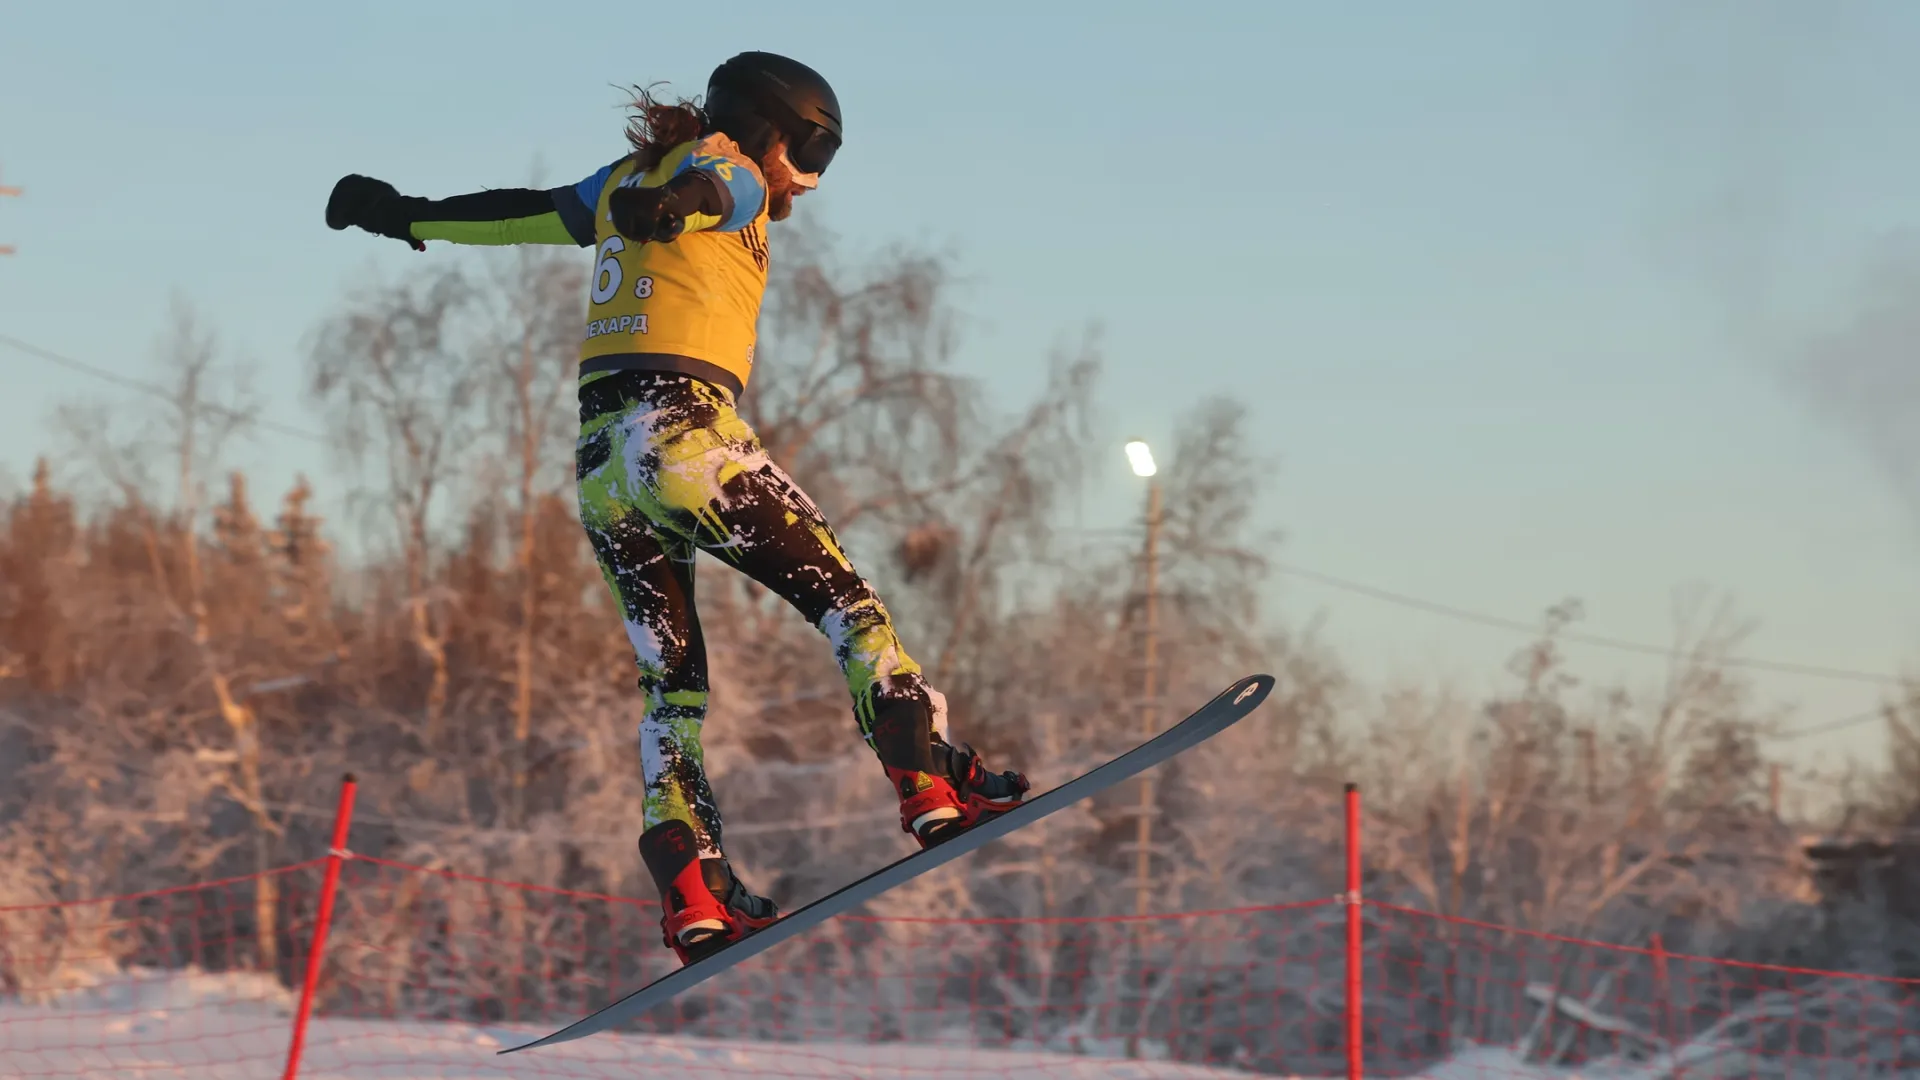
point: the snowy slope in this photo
(204, 1026)
(147, 1025)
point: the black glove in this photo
(373, 205)
(660, 213)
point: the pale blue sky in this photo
(1506, 284)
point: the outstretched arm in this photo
(503, 216)
(704, 185)
(500, 216)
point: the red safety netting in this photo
(177, 982)
(441, 968)
(427, 973)
(1491, 1001)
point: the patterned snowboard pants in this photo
(667, 468)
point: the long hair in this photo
(657, 126)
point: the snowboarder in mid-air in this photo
(666, 466)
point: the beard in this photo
(780, 187)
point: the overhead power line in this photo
(1833, 725)
(1622, 645)
(144, 387)
(1601, 641)
(1787, 667)
(1432, 607)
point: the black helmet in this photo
(757, 96)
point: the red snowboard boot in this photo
(706, 906)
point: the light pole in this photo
(1140, 456)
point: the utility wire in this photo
(1833, 725)
(1460, 614)
(1432, 607)
(129, 383)
(1787, 667)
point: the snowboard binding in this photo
(706, 907)
(955, 795)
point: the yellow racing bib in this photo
(691, 305)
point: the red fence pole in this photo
(1663, 992)
(1356, 1028)
(336, 855)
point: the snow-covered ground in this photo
(204, 1026)
(146, 1025)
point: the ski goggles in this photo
(811, 153)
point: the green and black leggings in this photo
(666, 468)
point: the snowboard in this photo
(1231, 705)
